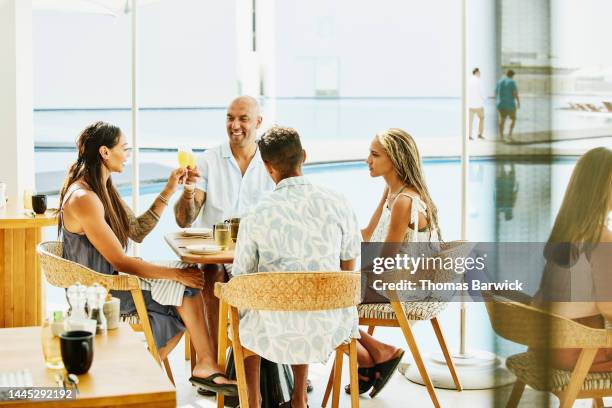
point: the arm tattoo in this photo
(141, 226)
(187, 208)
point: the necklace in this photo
(393, 195)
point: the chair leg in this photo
(168, 370)
(371, 330)
(449, 361)
(515, 396)
(141, 309)
(328, 389)
(337, 378)
(405, 326)
(187, 347)
(581, 369)
(222, 346)
(598, 403)
(353, 372)
(239, 359)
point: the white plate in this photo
(198, 232)
(205, 249)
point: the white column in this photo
(248, 69)
(266, 49)
(135, 123)
(16, 130)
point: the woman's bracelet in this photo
(162, 199)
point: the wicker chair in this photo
(399, 314)
(285, 291)
(541, 330)
(62, 273)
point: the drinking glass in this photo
(27, 199)
(185, 157)
(51, 347)
(222, 235)
(234, 225)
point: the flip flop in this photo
(386, 370)
(206, 393)
(364, 386)
(209, 384)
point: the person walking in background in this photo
(507, 96)
(476, 103)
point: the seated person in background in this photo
(96, 226)
(299, 227)
(576, 282)
(405, 213)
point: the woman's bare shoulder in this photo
(401, 208)
(405, 198)
(83, 201)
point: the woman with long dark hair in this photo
(96, 226)
(576, 282)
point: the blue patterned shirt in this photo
(299, 227)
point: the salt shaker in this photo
(96, 295)
(77, 299)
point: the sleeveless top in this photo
(77, 247)
(163, 317)
(412, 234)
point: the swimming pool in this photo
(503, 206)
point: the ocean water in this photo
(539, 187)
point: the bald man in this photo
(229, 179)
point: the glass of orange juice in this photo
(185, 157)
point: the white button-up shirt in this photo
(475, 95)
(229, 193)
(299, 227)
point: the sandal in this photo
(364, 386)
(386, 370)
(209, 383)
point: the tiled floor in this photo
(399, 392)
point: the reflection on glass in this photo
(506, 190)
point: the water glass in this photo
(234, 226)
(27, 199)
(222, 234)
(51, 347)
(2, 194)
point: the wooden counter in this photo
(21, 284)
